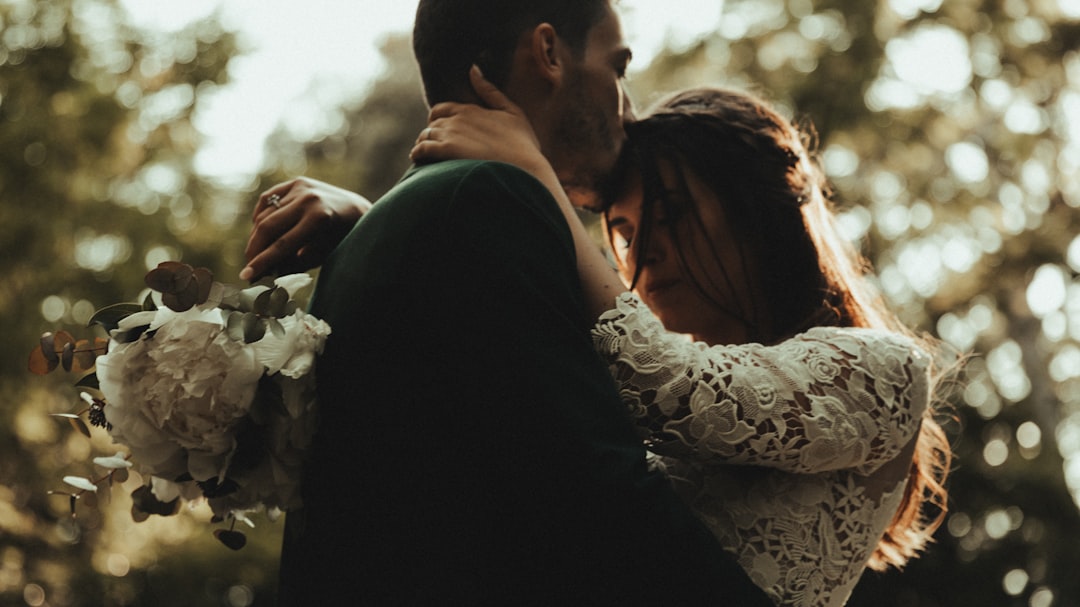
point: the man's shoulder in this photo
(468, 179)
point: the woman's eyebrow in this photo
(615, 222)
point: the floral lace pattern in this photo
(824, 424)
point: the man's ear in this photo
(546, 53)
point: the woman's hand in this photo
(503, 133)
(465, 130)
(297, 224)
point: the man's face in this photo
(591, 106)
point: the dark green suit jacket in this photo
(472, 449)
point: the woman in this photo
(720, 225)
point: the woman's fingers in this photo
(272, 199)
(272, 242)
(489, 93)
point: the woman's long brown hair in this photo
(760, 167)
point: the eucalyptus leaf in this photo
(78, 423)
(84, 356)
(67, 356)
(234, 326)
(132, 334)
(279, 301)
(90, 380)
(248, 295)
(48, 348)
(204, 281)
(39, 364)
(261, 305)
(109, 317)
(80, 483)
(148, 304)
(254, 328)
(143, 500)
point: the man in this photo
(472, 449)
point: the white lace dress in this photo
(822, 426)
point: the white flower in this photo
(174, 394)
(293, 353)
(293, 283)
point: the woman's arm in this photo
(296, 225)
(503, 133)
(832, 398)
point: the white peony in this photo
(293, 353)
(175, 394)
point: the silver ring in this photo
(274, 200)
(427, 134)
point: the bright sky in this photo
(306, 55)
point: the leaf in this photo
(80, 483)
(40, 364)
(234, 326)
(120, 475)
(143, 500)
(183, 299)
(113, 462)
(279, 302)
(148, 304)
(67, 356)
(204, 280)
(235, 540)
(254, 328)
(84, 356)
(169, 277)
(211, 488)
(48, 348)
(90, 380)
(261, 305)
(61, 339)
(246, 301)
(138, 515)
(80, 425)
(132, 334)
(109, 317)
(227, 296)
(104, 493)
(90, 499)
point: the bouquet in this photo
(208, 388)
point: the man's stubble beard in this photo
(588, 146)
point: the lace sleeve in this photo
(829, 399)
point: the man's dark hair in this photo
(451, 35)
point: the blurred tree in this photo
(371, 151)
(96, 185)
(950, 132)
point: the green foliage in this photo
(96, 186)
